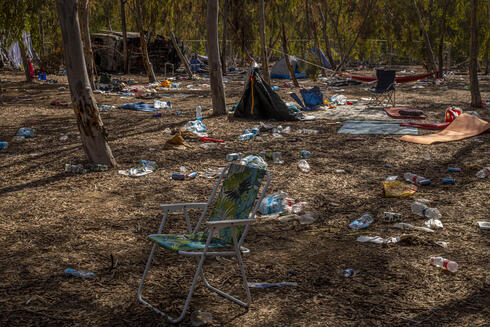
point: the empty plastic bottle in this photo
(304, 166)
(77, 273)
(423, 210)
(483, 173)
(4, 145)
(247, 136)
(349, 272)
(305, 154)
(234, 156)
(415, 179)
(152, 165)
(444, 264)
(199, 113)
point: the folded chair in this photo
(223, 233)
(385, 88)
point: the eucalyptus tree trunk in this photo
(92, 130)
(215, 74)
(286, 55)
(125, 37)
(265, 63)
(475, 90)
(144, 47)
(25, 60)
(181, 55)
(225, 36)
(428, 48)
(87, 46)
(325, 37)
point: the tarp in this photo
(260, 102)
(325, 62)
(280, 69)
(401, 79)
(139, 106)
(14, 55)
(375, 127)
(462, 127)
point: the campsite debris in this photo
(234, 156)
(96, 167)
(176, 142)
(307, 131)
(61, 88)
(433, 223)
(179, 112)
(408, 226)
(79, 273)
(427, 156)
(338, 99)
(391, 178)
(63, 138)
(363, 222)
(272, 203)
(266, 285)
(208, 139)
(391, 217)
(304, 166)
(454, 170)
(349, 272)
(444, 264)
(25, 132)
(307, 218)
(448, 181)
(181, 177)
(211, 173)
(58, 104)
(415, 179)
(199, 113)
(483, 173)
(75, 169)
(136, 172)
(275, 88)
(159, 104)
(442, 244)
(148, 164)
(201, 318)
(158, 114)
(483, 225)
(209, 146)
(305, 154)
(277, 158)
(254, 161)
(247, 136)
(106, 107)
(423, 210)
(397, 189)
(197, 127)
(4, 145)
(377, 239)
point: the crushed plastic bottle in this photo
(305, 154)
(423, 210)
(363, 222)
(427, 156)
(483, 173)
(199, 113)
(444, 264)
(415, 179)
(152, 165)
(77, 273)
(304, 166)
(271, 204)
(247, 136)
(159, 104)
(349, 272)
(64, 138)
(234, 156)
(253, 161)
(25, 132)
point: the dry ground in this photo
(51, 220)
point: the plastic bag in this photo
(397, 189)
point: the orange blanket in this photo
(462, 127)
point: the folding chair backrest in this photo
(237, 196)
(386, 79)
(312, 97)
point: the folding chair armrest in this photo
(179, 206)
(226, 223)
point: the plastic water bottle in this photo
(423, 210)
(483, 173)
(247, 136)
(415, 179)
(349, 272)
(444, 264)
(4, 145)
(363, 222)
(234, 156)
(304, 166)
(152, 165)
(25, 132)
(199, 113)
(77, 273)
(305, 154)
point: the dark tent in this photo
(260, 102)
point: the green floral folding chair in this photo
(223, 233)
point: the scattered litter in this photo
(136, 172)
(397, 189)
(304, 166)
(211, 173)
(176, 142)
(483, 173)
(415, 179)
(77, 273)
(423, 210)
(78, 169)
(391, 178)
(448, 181)
(181, 177)
(349, 272)
(454, 170)
(305, 154)
(444, 264)
(272, 203)
(159, 104)
(197, 127)
(58, 104)
(433, 223)
(391, 217)
(25, 132)
(148, 164)
(483, 225)
(377, 239)
(307, 218)
(4, 145)
(408, 226)
(254, 161)
(363, 222)
(338, 99)
(234, 156)
(64, 138)
(266, 285)
(442, 244)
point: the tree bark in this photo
(428, 48)
(475, 90)
(125, 37)
(325, 37)
(224, 37)
(144, 47)
(442, 32)
(25, 61)
(41, 34)
(265, 64)
(317, 45)
(181, 55)
(87, 46)
(286, 54)
(215, 74)
(92, 130)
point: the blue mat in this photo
(375, 127)
(139, 106)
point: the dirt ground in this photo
(52, 220)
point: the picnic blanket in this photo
(139, 106)
(401, 113)
(345, 112)
(375, 127)
(462, 127)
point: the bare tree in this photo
(265, 64)
(429, 54)
(125, 37)
(87, 46)
(215, 74)
(92, 130)
(475, 89)
(25, 60)
(182, 58)
(144, 47)
(286, 55)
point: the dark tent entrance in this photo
(260, 102)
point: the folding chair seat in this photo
(385, 88)
(234, 209)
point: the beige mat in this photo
(462, 127)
